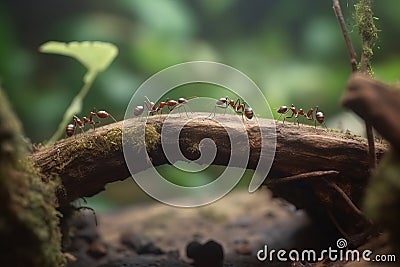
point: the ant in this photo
(151, 107)
(238, 107)
(101, 114)
(319, 115)
(241, 109)
(222, 103)
(154, 109)
(284, 109)
(172, 104)
(295, 113)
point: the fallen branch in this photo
(87, 162)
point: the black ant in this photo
(238, 107)
(101, 114)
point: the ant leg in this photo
(180, 107)
(91, 209)
(171, 108)
(86, 208)
(297, 119)
(186, 111)
(291, 116)
(279, 117)
(111, 116)
(215, 109)
(93, 124)
(213, 112)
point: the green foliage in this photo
(95, 56)
(364, 21)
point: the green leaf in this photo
(95, 56)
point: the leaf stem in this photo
(74, 108)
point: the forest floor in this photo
(157, 234)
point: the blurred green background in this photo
(293, 50)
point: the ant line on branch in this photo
(319, 115)
(239, 106)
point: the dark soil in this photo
(158, 235)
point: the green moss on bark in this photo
(29, 233)
(364, 20)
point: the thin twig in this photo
(371, 146)
(302, 177)
(346, 35)
(364, 67)
(346, 198)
